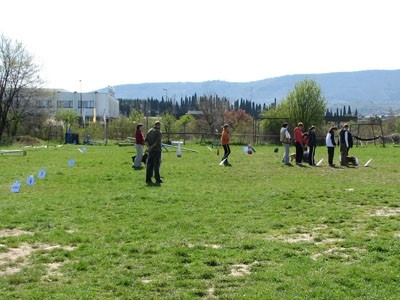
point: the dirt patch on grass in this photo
(212, 246)
(15, 259)
(241, 269)
(339, 252)
(387, 212)
(314, 236)
(13, 232)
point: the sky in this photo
(83, 45)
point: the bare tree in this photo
(18, 84)
(213, 112)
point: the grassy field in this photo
(256, 230)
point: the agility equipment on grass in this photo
(186, 149)
(222, 162)
(368, 162)
(249, 149)
(179, 151)
(15, 187)
(23, 152)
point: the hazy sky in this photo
(84, 45)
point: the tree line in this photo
(154, 107)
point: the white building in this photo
(87, 105)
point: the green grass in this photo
(285, 232)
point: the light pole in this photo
(80, 102)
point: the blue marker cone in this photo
(15, 187)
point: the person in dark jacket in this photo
(345, 143)
(312, 144)
(153, 141)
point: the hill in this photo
(370, 92)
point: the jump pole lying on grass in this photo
(367, 163)
(165, 145)
(23, 152)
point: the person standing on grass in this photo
(345, 143)
(225, 137)
(153, 141)
(312, 144)
(139, 143)
(298, 142)
(330, 144)
(285, 140)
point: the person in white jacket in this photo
(285, 140)
(330, 144)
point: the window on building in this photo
(65, 104)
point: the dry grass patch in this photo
(387, 212)
(339, 252)
(13, 232)
(314, 236)
(17, 258)
(14, 259)
(241, 269)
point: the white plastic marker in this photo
(15, 187)
(179, 150)
(42, 173)
(318, 163)
(71, 162)
(367, 163)
(222, 162)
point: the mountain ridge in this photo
(370, 91)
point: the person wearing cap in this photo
(153, 142)
(285, 140)
(139, 143)
(345, 143)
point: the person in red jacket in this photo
(299, 143)
(139, 144)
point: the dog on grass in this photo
(352, 160)
(305, 156)
(144, 158)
